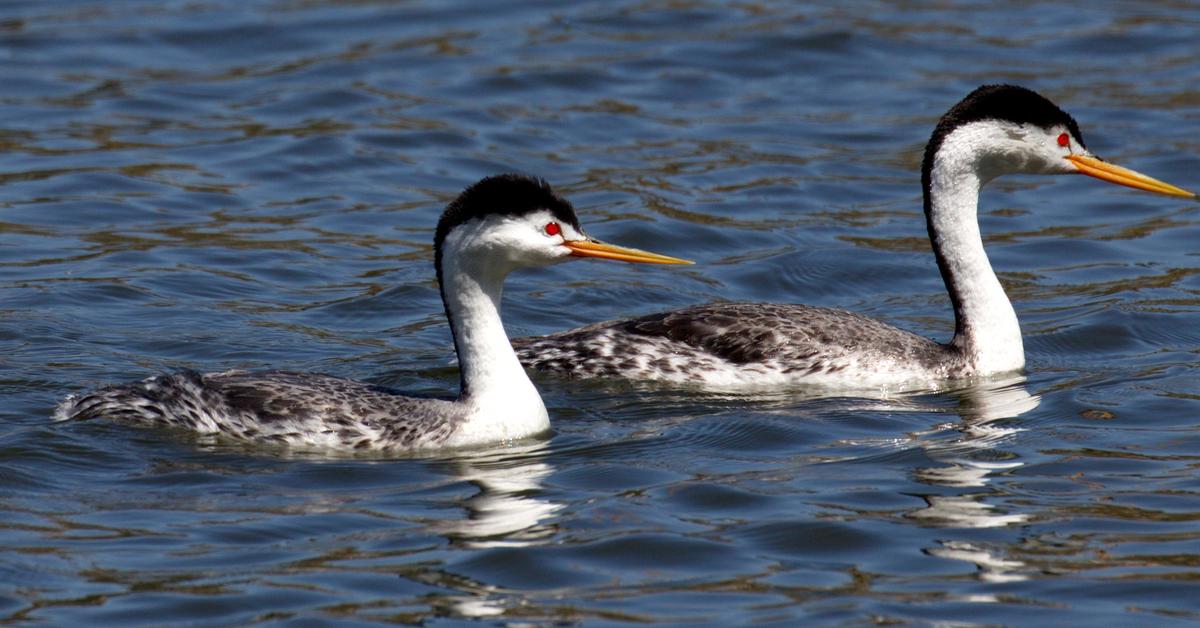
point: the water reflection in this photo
(969, 460)
(970, 456)
(992, 568)
(508, 510)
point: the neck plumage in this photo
(986, 330)
(501, 401)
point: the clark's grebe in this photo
(996, 130)
(496, 226)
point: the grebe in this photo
(496, 226)
(995, 130)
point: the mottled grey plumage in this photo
(493, 227)
(496, 226)
(994, 130)
(739, 344)
(276, 407)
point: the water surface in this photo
(224, 184)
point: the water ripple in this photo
(225, 184)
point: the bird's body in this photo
(995, 130)
(749, 346)
(280, 407)
(494, 227)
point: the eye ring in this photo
(553, 229)
(1064, 140)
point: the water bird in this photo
(498, 225)
(995, 130)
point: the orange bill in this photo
(1113, 173)
(595, 248)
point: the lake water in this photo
(222, 184)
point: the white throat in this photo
(501, 401)
(986, 330)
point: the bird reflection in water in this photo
(969, 458)
(969, 461)
(507, 511)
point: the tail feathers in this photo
(139, 402)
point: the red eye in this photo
(1064, 140)
(553, 229)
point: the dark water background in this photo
(216, 184)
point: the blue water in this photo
(227, 184)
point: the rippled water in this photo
(222, 184)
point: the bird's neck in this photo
(501, 402)
(986, 330)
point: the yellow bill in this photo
(595, 248)
(1113, 173)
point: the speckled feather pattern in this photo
(275, 407)
(497, 223)
(745, 345)
(750, 345)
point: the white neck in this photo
(986, 328)
(501, 402)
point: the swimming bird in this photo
(995, 130)
(496, 226)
